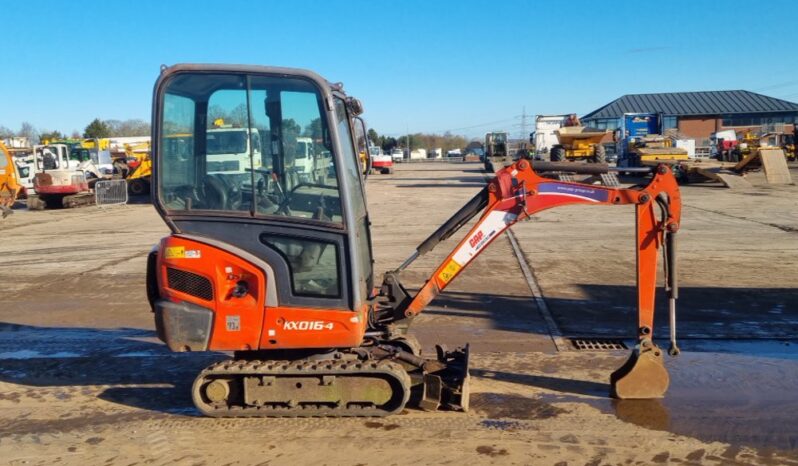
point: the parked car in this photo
(397, 155)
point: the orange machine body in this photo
(247, 322)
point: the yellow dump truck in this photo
(579, 143)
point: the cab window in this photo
(247, 144)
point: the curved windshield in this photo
(221, 141)
(499, 137)
(246, 144)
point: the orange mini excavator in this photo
(274, 263)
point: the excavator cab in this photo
(245, 187)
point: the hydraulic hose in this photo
(455, 222)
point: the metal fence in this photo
(111, 192)
(441, 159)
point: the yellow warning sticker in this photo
(175, 252)
(449, 271)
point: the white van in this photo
(397, 155)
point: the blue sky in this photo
(464, 66)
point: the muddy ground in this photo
(84, 381)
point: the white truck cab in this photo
(304, 159)
(397, 155)
(228, 149)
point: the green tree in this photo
(51, 135)
(313, 129)
(290, 131)
(6, 132)
(387, 143)
(374, 138)
(414, 141)
(97, 129)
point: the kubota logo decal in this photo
(306, 325)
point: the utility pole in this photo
(524, 134)
(407, 140)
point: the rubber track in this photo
(242, 368)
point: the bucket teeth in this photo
(643, 375)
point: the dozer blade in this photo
(643, 375)
(446, 381)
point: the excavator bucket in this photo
(446, 384)
(643, 376)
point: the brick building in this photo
(699, 114)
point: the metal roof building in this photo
(698, 114)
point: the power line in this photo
(777, 86)
(496, 122)
(515, 117)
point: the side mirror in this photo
(362, 144)
(355, 106)
(361, 134)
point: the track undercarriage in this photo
(367, 381)
(56, 201)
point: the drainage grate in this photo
(597, 344)
(610, 179)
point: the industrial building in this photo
(699, 114)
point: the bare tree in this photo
(27, 130)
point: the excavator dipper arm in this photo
(516, 193)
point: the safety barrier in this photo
(438, 160)
(111, 192)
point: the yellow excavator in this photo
(10, 186)
(138, 178)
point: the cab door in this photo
(362, 268)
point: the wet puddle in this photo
(732, 398)
(508, 406)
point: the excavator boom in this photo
(518, 192)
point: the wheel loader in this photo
(278, 270)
